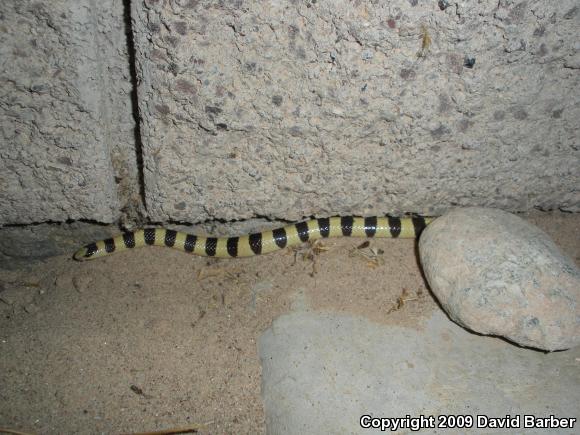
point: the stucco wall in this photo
(294, 108)
(66, 124)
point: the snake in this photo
(262, 242)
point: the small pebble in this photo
(469, 62)
(443, 4)
(31, 308)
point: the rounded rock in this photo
(496, 274)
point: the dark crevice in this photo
(218, 221)
(55, 223)
(141, 217)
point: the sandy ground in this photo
(157, 339)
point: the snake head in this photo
(87, 252)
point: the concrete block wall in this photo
(277, 110)
(67, 148)
(286, 109)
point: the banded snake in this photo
(262, 242)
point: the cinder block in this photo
(66, 126)
(290, 109)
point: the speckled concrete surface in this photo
(291, 109)
(67, 146)
(322, 372)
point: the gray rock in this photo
(321, 372)
(496, 274)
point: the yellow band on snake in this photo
(259, 243)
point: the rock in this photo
(322, 371)
(31, 308)
(496, 274)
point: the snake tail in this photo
(258, 243)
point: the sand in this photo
(156, 339)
